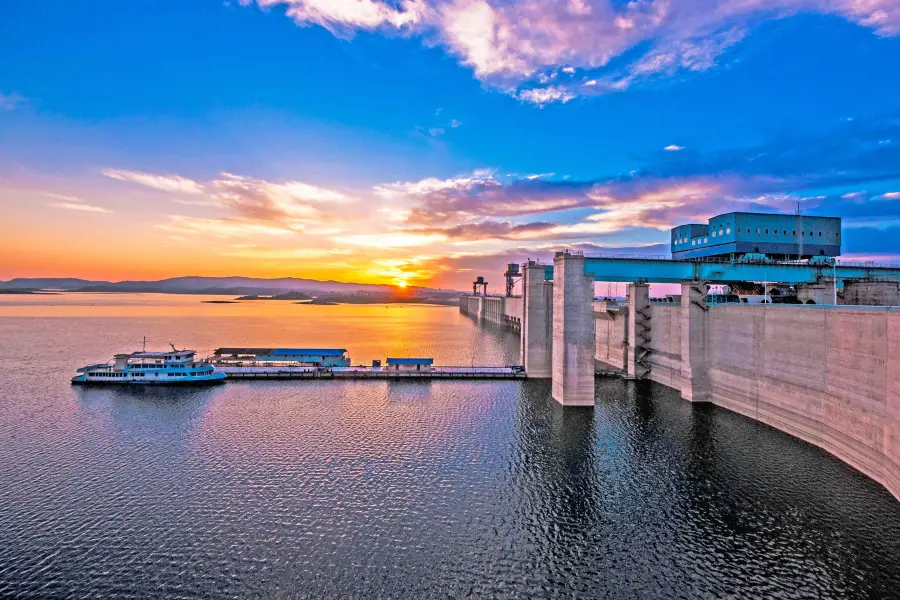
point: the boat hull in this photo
(193, 381)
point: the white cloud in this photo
(892, 196)
(454, 124)
(166, 183)
(516, 44)
(542, 96)
(362, 14)
(673, 148)
(431, 185)
(436, 131)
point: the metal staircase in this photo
(642, 341)
(701, 286)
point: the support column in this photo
(638, 358)
(695, 384)
(537, 322)
(573, 332)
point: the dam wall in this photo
(829, 376)
(611, 339)
(499, 310)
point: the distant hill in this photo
(46, 283)
(229, 286)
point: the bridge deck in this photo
(658, 270)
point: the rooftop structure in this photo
(778, 236)
(326, 357)
(409, 364)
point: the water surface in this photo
(383, 489)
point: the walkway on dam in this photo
(367, 372)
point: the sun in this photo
(401, 284)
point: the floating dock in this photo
(366, 372)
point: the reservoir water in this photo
(397, 489)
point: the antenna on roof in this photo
(174, 349)
(144, 347)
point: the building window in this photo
(714, 234)
(705, 240)
(728, 231)
(767, 232)
(692, 242)
(820, 234)
(785, 232)
(757, 230)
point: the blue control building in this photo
(778, 236)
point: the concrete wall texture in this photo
(537, 330)
(498, 310)
(871, 293)
(611, 334)
(829, 376)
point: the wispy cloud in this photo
(291, 202)
(166, 183)
(673, 148)
(222, 228)
(81, 207)
(11, 101)
(521, 45)
(267, 201)
(69, 202)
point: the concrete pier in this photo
(821, 292)
(639, 331)
(537, 322)
(573, 332)
(871, 293)
(694, 368)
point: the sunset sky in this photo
(429, 141)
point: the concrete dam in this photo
(829, 375)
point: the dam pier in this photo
(826, 373)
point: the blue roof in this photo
(308, 352)
(410, 361)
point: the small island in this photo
(285, 296)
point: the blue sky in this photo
(414, 140)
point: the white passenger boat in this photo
(152, 368)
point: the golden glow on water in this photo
(118, 323)
(76, 304)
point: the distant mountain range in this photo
(203, 285)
